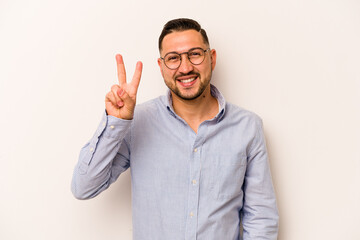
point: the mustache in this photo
(187, 74)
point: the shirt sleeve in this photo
(259, 213)
(102, 159)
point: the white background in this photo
(293, 62)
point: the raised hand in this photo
(121, 100)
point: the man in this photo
(198, 164)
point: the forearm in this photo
(260, 217)
(93, 172)
(259, 213)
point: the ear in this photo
(160, 66)
(213, 58)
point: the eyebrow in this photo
(185, 51)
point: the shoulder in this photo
(237, 113)
(234, 113)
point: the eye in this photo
(172, 58)
(195, 53)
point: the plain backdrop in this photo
(293, 62)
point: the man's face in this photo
(188, 81)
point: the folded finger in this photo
(116, 90)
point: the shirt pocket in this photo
(228, 175)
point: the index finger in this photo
(137, 75)
(120, 69)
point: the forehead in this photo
(181, 41)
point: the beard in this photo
(203, 85)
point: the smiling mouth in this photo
(187, 80)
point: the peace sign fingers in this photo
(137, 76)
(120, 69)
(121, 100)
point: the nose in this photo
(185, 66)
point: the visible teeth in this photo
(187, 80)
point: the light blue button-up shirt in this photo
(185, 186)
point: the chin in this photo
(189, 97)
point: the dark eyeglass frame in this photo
(187, 54)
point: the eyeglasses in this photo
(196, 56)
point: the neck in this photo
(195, 111)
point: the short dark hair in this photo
(181, 24)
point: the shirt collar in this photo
(214, 92)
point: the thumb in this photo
(126, 100)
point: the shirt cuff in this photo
(114, 127)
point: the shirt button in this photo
(112, 127)
(91, 149)
(194, 182)
(195, 150)
(191, 214)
